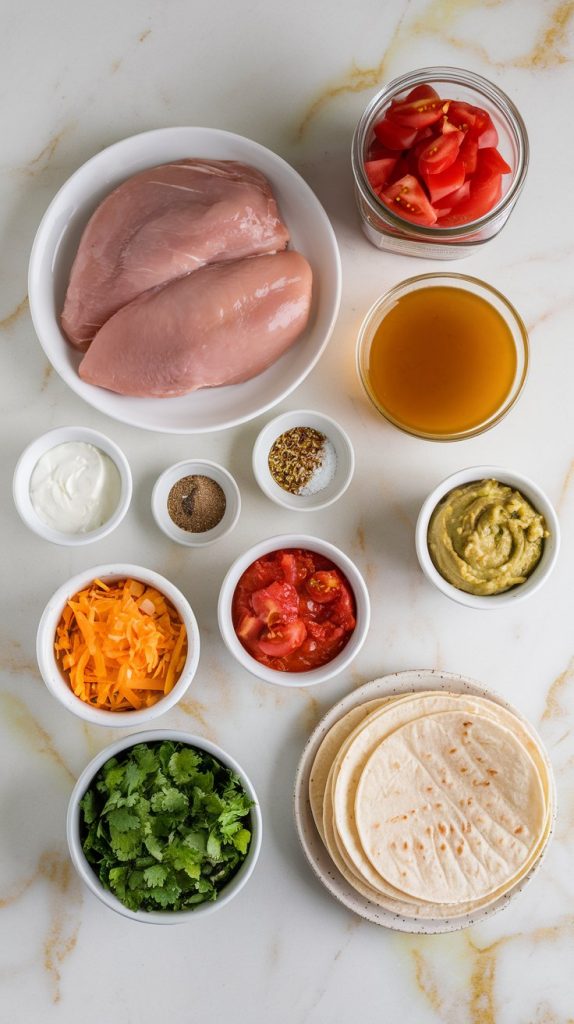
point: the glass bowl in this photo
(512, 319)
(385, 229)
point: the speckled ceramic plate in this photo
(317, 855)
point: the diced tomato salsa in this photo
(434, 161)
(293, 610)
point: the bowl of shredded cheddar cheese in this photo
(118, 644)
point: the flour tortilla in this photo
(450, 807)
(356, 750)
(351, 725)
(338, 853)
(398, 905)
(395, 906)
(330, 745)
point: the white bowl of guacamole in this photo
(487, 537)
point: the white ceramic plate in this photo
(317, 855)
(58, 237)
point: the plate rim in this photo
(393, 683)
(115, 148)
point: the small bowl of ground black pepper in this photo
(303, 460)
(196, 502)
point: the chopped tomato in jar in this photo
(407, 198)
(293, 610)
(434, 158)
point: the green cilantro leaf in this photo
(183, 764)
(155, 876)
(122, 820)
(165, 826)
(88, 807)
(241, 840)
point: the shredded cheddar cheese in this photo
(122, 646)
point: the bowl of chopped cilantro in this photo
(163, 826)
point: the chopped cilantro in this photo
(163, 826)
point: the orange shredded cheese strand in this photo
(116, 654)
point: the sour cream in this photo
(75, 487)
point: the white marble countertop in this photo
(76, 77)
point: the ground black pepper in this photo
(196, 503)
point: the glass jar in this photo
(384, 228)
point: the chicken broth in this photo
(442, 361)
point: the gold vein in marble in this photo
(439, 664)
(371, 573)
(47, 374)
(217, 675)
(546, 1015)
(97, 737)
(8, 321)
(62, 934)
(357, 79)
(427, 983)
(312, 712)
(357, 679)
(475, 1002)
(65, 899)
(548, 50)
(568, 480)
(13, 660)
(18, 717)
(351, 927)
(482, 1002)
(39, 162)
(15, 894)
(554, 707)
(370, 568)
(195, 709)
(403, 516)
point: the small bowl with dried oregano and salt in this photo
(196, 502)
(303, 460)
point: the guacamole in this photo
(484, 537)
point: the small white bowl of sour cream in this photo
(72, 486)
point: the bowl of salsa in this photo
(294, 610)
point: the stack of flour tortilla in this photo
(432, 804)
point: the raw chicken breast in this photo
(161, 224)
(221, 325)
